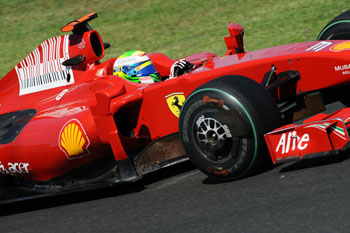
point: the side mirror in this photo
(234, 42)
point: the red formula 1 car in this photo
(67, 123)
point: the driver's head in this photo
(136, 66)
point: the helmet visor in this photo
(140, 69)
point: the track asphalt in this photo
(308, 196)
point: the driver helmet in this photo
(136, 66)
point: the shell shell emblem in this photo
(341, 46)
(175, 102)
(73, 140)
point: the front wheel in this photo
(337, 29)
(222, 126)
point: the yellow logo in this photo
(175, 102)
(73, 140)
(341, 46)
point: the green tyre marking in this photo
(331, 25)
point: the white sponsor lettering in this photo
(291, 142)
(319, 46)
(14, 168)
(342, 67)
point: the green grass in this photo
(175, 28)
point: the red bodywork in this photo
(83, 113)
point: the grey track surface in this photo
(308, 196)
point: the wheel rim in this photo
(214, 138)
(239, 104)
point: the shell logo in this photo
(341, 46)
(73, 140)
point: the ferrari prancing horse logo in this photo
(175, 102)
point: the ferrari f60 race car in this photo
(67, 123)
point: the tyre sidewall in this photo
(337, 29)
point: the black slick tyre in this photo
(337, 29)
(222, 126)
